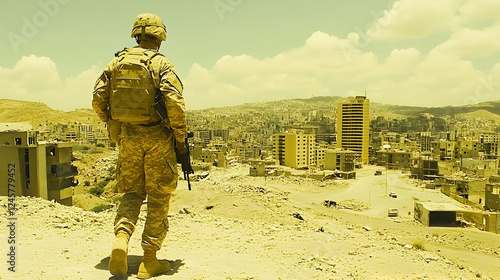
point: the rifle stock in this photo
(159, 105)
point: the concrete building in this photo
(221, 133)
(41, 170)
(436, 214)
(204, 135)
(491, 143)
(447, 214)
(394, 159)
(353, 126)
(492, 197)
(425, 169)
(339, 159)
(247, 152)
(481, 167)
(294, 149)
(215, 157)
(468, 148)
(470, 191)
(319, 154)
(425, 141)
(260, 168)
(446, 150)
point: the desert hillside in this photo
(232, 226)
(37, 113)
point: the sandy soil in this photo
(232, 226)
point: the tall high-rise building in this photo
(353, 126)
(294, 149)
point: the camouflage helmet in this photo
(149, 24)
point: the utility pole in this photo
(386, 178)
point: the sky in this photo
(230, 52)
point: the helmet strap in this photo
(143, 29)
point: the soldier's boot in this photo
(118, 261)
(151, 266)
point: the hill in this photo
(37, 113)
(489, 110)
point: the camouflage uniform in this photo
(147, 165)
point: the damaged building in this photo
(36, 169)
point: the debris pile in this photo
(54, 215)
(353, 204)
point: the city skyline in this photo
(404, 52)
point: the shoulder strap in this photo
(118, 53)
(148, 55)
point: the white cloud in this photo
(481, 10)
(414, 19)
(329, 65)
(36, 79)
(305, 71)
(437, 80)
(324, 65)
(473, 42)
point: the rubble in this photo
(353, 204)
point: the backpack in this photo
(133, 91)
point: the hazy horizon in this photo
(256, 102)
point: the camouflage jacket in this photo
(165, 79)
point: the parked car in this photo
(393, 195)
(378, 172)
(392, 212)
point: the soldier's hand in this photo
(181, 147)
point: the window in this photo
(18, 141)
(27, 169)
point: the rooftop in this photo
(15, 127)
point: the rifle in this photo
(159, 105)
(185, 160)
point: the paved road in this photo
(372, 190)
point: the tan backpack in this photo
(132, 87)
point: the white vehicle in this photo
(392, 212)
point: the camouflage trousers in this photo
(147, 169)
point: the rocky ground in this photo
(232, 226)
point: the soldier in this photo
(124, 97)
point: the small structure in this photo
(339, 159)
(436, 214)
(425, 168)
(448, 214)
(215, 157)
(492, 196)
(393, 159)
